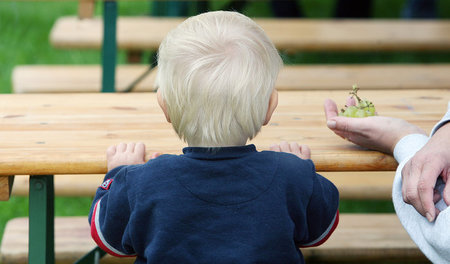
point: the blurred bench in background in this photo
(87, 78)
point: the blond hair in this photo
(216, 73)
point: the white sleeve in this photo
(444, 120)
(433, 239)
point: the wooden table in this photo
(47, 134)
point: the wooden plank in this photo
(358, 237)
(86, 9)
(72, 241)
(69, 133)
(144, 33)
(87, 78)
(6, 183)
(366, 185)
(366, 237)
(65, 185)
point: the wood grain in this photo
(366, 185)
(143, 33)
(6, 183)
(87, 78)
(358, 237)
(69, 133)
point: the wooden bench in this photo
(6, 183)
(364, 185)
(358, 238)
(87, 78)
(146, 33)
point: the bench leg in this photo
(109, 48)
(41, 248)
(92, 257)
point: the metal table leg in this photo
(109, 49)
(41, 248)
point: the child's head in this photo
(216, 78)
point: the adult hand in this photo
(301, 151)
(420, 173)
(374, 132)
(126, 154)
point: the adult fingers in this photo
(350, 101)
(436, 196)
(330, 109)
(410, 178)
(425, 187)
(349, 124)
(446, 192)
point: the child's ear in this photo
(273, 102)
(162, 104)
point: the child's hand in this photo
(126, 154)
(301, 151)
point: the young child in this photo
(221, 201)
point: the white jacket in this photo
(432, 238)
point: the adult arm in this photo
(432, 238)
(421, 172)
(375, 132)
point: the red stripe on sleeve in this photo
(95, 235)
(335, 224)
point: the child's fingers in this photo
(295, 149)
(305, 152)
(155, 155)
(122, 147)
(285, 147)
(275, 147)
(130, 147)
(111, 150)
(139, 149)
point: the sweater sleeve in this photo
(110, 213)
(443, 121)
(432, 238)
(322, 211)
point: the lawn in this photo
(24, 32)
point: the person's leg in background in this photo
(286, 8)
(353, 9)
(420, 9)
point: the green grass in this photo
(24, 31)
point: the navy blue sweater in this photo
(220, 205)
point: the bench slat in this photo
(358, 237)
(87, 78)
(5, 187)
(367, 185)
(144, 33)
